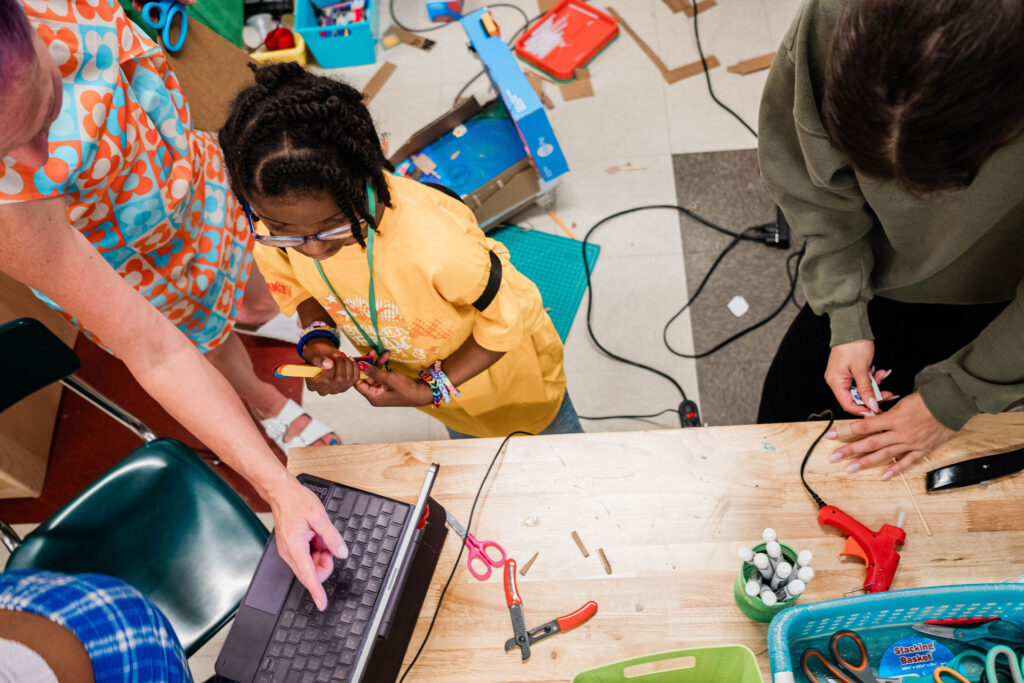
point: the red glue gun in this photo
(876, 548)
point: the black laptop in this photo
(374, 596)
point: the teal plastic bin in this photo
(722, 664)
(338, 46)
(880, 619)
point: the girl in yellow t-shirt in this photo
(447, 324)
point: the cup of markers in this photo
(772, 577)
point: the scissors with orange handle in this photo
(839, 668)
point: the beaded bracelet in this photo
(443, 381)
(435, 391)
(317, 329)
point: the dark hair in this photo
(924, 92)
(297, 133)
(15, 41)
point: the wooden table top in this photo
(669, 508)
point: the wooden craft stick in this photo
(670, 75)
(914, 503)
(749, 66)
(604, 561)
(583, 549)
(529, 563)
(567, 232)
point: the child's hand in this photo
(385, 388)
(339, 372)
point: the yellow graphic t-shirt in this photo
(430, 263)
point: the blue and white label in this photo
(913, 657)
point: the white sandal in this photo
(278, 425)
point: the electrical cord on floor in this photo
(462, 547)
(772, 234)
(746, 330)
(707, 75)
(628, 417)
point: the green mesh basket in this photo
(722, 664)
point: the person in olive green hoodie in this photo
(890, 136)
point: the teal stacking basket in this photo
(880, 619)
(337, 46)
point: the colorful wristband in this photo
(313, 334)
(442, 379)
(434, 389)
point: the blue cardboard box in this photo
(519, 98)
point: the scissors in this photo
(477, 550)
(842, 670)
(165, 11)
(985, 636)
(1012, 667)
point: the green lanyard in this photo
(371, 198)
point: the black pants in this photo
(908, 337)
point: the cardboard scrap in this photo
(407, 37)
(537, 83)
(546, 6)
(424, 163)
(749, 66)
(377, 81)
(670, 75)
(702, 6)
(578, 87)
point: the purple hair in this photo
(15, 41)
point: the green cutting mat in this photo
(555, 265)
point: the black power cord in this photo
(462, 546)
(773, 234)
(707, 75)
(807, 456)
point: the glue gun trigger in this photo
(853, 549)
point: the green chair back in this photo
(164, 522)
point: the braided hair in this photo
(294, 132)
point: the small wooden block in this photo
(604, 561)
(749, 66)
(692, 69)
(579, 543)
(529, 563)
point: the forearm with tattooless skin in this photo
(468, 361)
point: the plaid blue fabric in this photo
(128, 639)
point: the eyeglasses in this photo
(333, 234)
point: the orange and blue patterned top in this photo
(146, 189)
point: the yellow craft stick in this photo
(562, 225)
(296, 370)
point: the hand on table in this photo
(905, 433)
(339, 374)
(384, 388)
(850, 365)
(306, 539)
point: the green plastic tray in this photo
(722, 664)
(555, 265)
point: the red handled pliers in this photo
(524, 638)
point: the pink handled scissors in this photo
(477, 550)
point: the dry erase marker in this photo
(774, 551)
(768, 597)
(769, 535)
(803, 559)
(782, 574)
(763, 567)
(753, 586)
(790, 590)
(747, 555)
(804, 574)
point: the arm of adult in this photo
(985, 376)
(39, 248)
(820, 196)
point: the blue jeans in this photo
(565, 422)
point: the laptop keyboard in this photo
(309, 646)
